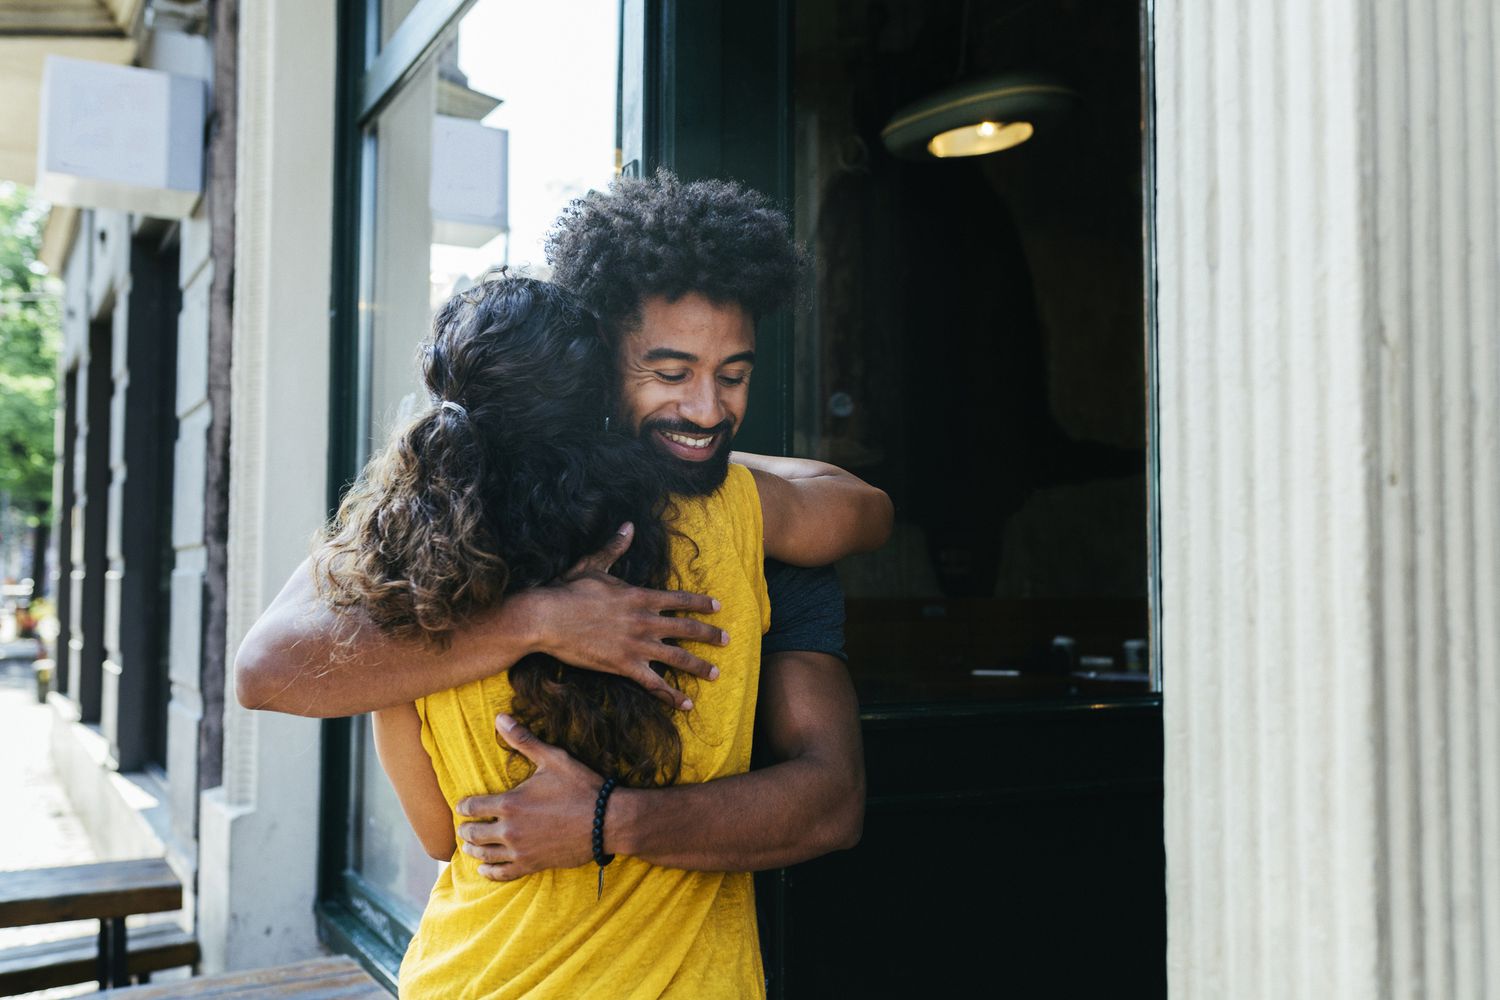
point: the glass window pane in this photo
(475, 158)
(392, 13)
(472, 161)
(976, 347)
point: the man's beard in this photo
(684, 477)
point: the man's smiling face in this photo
(685, 381)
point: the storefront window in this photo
(467, 166)
(976, 346)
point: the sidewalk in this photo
(40, 829)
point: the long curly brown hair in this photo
(508, 480)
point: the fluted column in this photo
(258, 844)
(1329, 393)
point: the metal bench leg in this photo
(102, 966)
(113, 952)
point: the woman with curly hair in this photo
(511, 477)
(504, 484)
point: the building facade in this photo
(1175, 677)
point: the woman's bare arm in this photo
(398, 743)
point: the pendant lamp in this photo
(977, 117)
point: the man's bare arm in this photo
(816, 513)
(303, 658)
(809, 803)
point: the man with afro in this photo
(660, 260)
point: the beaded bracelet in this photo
(600, 858)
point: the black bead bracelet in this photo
(600, 858)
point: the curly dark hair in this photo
(661, 236)
(505, 483)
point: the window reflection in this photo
(976, 348)
(475, 157)
(392, 13)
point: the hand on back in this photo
(595, 621)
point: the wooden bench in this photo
(76, 960)
(338, 978)
(107, 892)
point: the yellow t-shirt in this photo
(657, 932)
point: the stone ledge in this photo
(113, 807)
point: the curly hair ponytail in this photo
(410, 546)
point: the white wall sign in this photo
(120, 137)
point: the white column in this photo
(259, 837)
(1330, 418)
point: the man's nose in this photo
(701, 403)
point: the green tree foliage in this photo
(29, 326)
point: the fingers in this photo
(675, 657)
(672, 697)
(655, 686)
(502, 873)
(479, 807)
(601, 561)
(490, 854)
(691, 630)
(496, 864)
(681, 600)
(480, 834)
(522, 740)
(680, 659)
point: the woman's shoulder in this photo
(739, 487)
(734, 508)
(735, 499)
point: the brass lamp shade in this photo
(977, 117)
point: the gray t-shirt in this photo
(807, 610)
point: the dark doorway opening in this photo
(977, 346)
